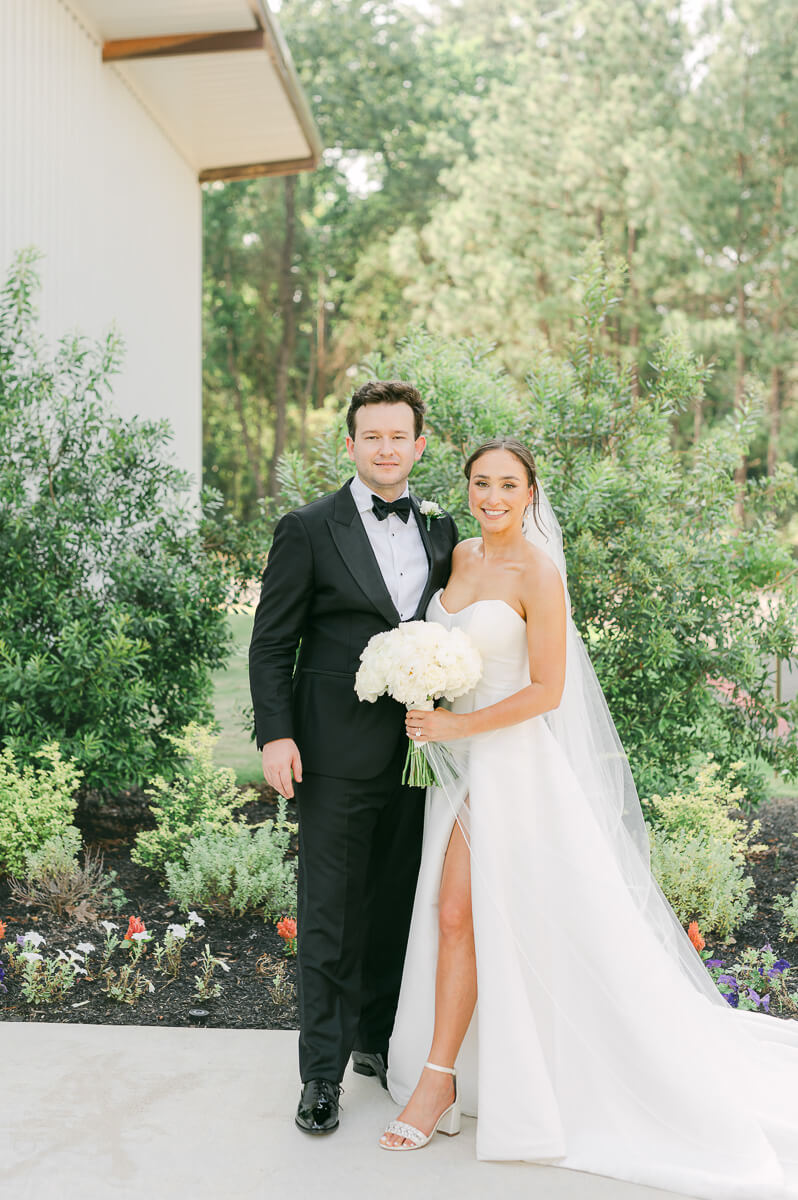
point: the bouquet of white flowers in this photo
(418, 663)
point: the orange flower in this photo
(287, 928)
(694, 936)
(135, 925)
(2, 929)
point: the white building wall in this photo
(88, 177)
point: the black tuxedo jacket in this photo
(324, 593)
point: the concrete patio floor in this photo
(99, 1112)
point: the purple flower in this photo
(20, 940)
(729, 980)
(714, 962)
(780, 965)
(732, 998)
(766, 1002)
(752, 995)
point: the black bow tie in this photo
(382, 507)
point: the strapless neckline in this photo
(474, 604)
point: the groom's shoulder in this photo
(321, 508)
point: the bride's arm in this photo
(543, 598)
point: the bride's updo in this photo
(524, 456)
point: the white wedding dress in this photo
(589, 1047)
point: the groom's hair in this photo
(387, 391)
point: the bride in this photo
(598, 1041)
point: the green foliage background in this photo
(114, 581)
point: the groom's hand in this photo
(280, 759)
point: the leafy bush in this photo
(674, 589)
(54, 878)
(237, 870)
(200, 799)
(788, 907)
(114, 582)
(706, 808)
(703, 879)
(36, 803)
(668, 588)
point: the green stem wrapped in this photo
(418, 772)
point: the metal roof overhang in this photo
(216, 75)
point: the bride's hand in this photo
(440, 725)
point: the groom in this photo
(341, 569)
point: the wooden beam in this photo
(171, 45)
(291, 166)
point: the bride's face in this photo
(498, 491)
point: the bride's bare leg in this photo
(455, 989)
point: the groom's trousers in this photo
(359, 853)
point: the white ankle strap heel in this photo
(448, 1122)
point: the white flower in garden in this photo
(195, 919)
(79, 970)
(143, 936)
(60, 955)
(75, 957)
(223, 965)
(108, 926)
(150, 985)
(34, 938)
(177, 931)
(31, 956)
(86, 947)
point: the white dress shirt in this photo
(398, 548)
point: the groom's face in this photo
(385, 447)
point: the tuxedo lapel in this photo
(351, 539)
(422, 528)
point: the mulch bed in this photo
(252, 948)
(774, 872)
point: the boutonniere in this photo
(430, 510)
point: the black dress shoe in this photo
(317, 1111)
(371, 1064)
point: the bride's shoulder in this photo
(539, 572)
(465, 550)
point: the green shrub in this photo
(237, 870)
(703, 878)
(56, 880)
(114, 580)
(200, 799)
(36, 803)
(788, 907)
(706, 808)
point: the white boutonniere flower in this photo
(430, 510)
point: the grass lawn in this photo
(235, 748)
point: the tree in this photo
(738, 153)
(291, 265)
(574, 145)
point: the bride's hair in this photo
(524, 456)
